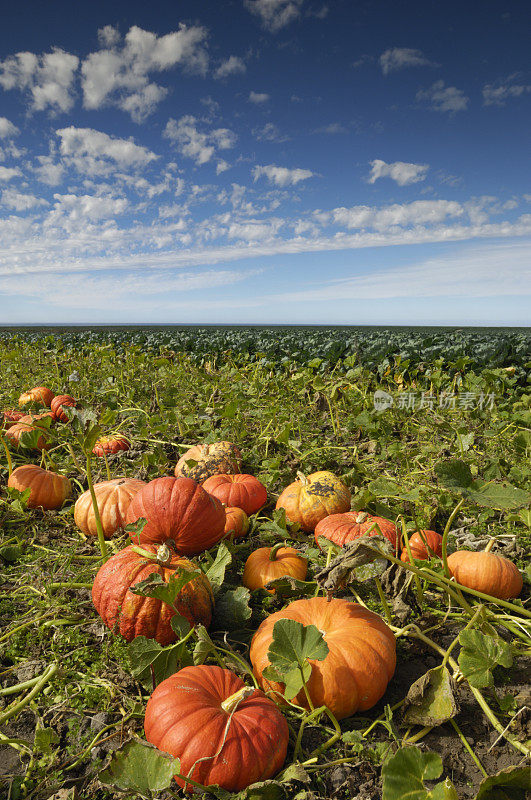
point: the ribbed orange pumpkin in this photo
(59, 403)
(32, 419)
(344, 528)
(486, 572)
(244, 491)
(423, 545)
(134, 615)
(187, 716)
(236, 523)
(361, 659)
(178, 509)
(109, 445)
(113, 498)
(15, 432)
(310, 499)
(48, 490)
(268, 563)
(10, 416)
(38, 396)
(212, 459)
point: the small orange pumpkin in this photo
(310, 499)
(112, 498)
(212, 459)
(109, 445)
(268, 563)
(59, 403)
(236, 523)
(15, 432)
(344, 528)
(48, 490)
(10, 416)
(32, 419)
(243, 491)
(38, 396)
(423, 545)
(486, 572)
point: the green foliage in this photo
(166, 591)
(404, 775)
(480, 654)
(431, 700)
(139, 767)
(292, 645)
(150, 663)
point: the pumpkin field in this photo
(265, 564)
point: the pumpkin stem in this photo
(490, 545)
(361, 517)
(232, 702)
(163, 554)
(144, 553)
(274, 550)
(302, 477)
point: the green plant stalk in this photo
(107, 465)
(444, 545)
(418, 586)
(383, 600)
(332, 740)
(74, 459)
(15, 709)
(66, 585)
(467, 747)
(94, 741)
(97, 518)
(314, 713)
(417, 736)
(8, 457)
(19, 687)
(24, 625)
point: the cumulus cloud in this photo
(497, 93)
(281, 176)
(48, 79)
(199, 145)
(402, 172)
(49, 170)
(7, 129)
(8, 173)
(444, 98)
(275, 14)
(402, 57)
(20, 201)
(258, 97)
(94, 152)
(119, 73)
(233, 65)
(269, 133)
(420, 212)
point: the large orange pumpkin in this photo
(268, 563)
(15, 432)
(211, 459)
(344, 528)
(38, 396)
(423, 545)
(244, 491)
(48, 490)
(59, 403)
(223, 732)
(178, 509)
(486, 572)
(112, 498)
(134, 615)
(108, 445)
(310, 499)
(236, 523)
(360, 662)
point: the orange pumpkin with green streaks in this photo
(310, 499)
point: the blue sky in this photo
(265, 161)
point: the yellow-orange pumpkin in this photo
(38, 396)
(113, 498)
(48, 490)
(311, 498)
(211, 459)
(486, 572)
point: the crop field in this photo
(422, 430)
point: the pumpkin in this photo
(38, 396)
(32, 419)
(219, 457)
(236, 523)
(59, 403)
(10, 416)
(178, 509)
(48, 490)
(109, 445)
(360, 662)
(344, 528)
(423, 545)
(244, 491)
(112, 498)
(268, 563)
(310, 499)
(15, 432)
(133, 615)
(223, 732)
(486, 572)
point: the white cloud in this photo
(71, 211)
(332, 129)
(20, 201)
(7, 129)
(94, 152)
(420, 212)
(401, 57)
(281, 176)
(269, 133)
(49, 171)
(275, 14)
(258, 97)
(233, 65)
(222, 166)
(195, 144)
(118, 74)
(8, 173)
(497, 93)
(48, 79)
(443, 98)
(402, 172)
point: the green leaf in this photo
(232, 609)
(454, 474)
(216, 571)
(513, 783)
(19, 500)
(139, 767)
(479, 655)
(150, 662)
(168, 592)
(291, 646)
(44, 738)
(203, 647)
(498, 495)
(404, 774)
(430, 700)
(288, 587)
